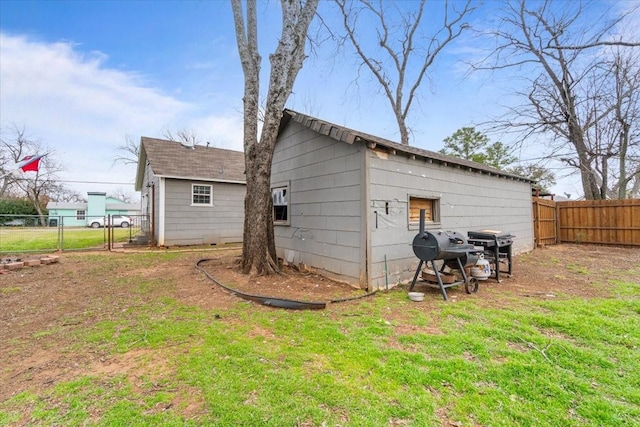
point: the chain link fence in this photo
(21, 234)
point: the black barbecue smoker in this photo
(452, 249)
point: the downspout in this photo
(161, 212)
(153, 214)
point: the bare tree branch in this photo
(129, 152)
(405, 53)
(569, 100)
(183, 136)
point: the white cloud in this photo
(222, 131)
(82, 109)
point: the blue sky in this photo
(81, 76)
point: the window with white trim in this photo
(431, 210)
(280, 197)
(81, 215)
(201, 195)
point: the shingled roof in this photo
(170, 159)
(350, 136)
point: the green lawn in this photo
(530, 362)
(33, 239)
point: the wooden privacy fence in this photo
(544, 222)
(606, 222)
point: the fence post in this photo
(556, 213)
(536, 231)
(60, 233)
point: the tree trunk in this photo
(575, 129)
(402, 126)
(635, 186)
(33, 197)
(259, 251)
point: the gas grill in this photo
(452, 249)
(497, 248)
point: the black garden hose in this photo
(275, 301)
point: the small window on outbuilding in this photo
(431, 207)
(81, 215)
(201, 195)
(280, 197)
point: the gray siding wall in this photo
(150, 183)
(468, 201)
(325, 209)
(197, 225)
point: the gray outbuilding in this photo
(347, 204)
(193, 195)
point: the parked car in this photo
(116, 221)
(15, 223)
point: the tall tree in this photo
(498, 155)
(466, 143)
(471, 144)
(14, 145)
(543, 178)
(258, 252)
(34, 185)
(624, 124)
(404, 49)
(612, 108)
(556, 47)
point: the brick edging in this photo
(29, 262)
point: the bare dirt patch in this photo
(42, 307)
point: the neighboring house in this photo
(346, 204)
(98, 205)
(194, 195)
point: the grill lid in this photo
(490, 235)
(440, 245)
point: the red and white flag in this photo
(30, 163)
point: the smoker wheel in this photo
(471, 285)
